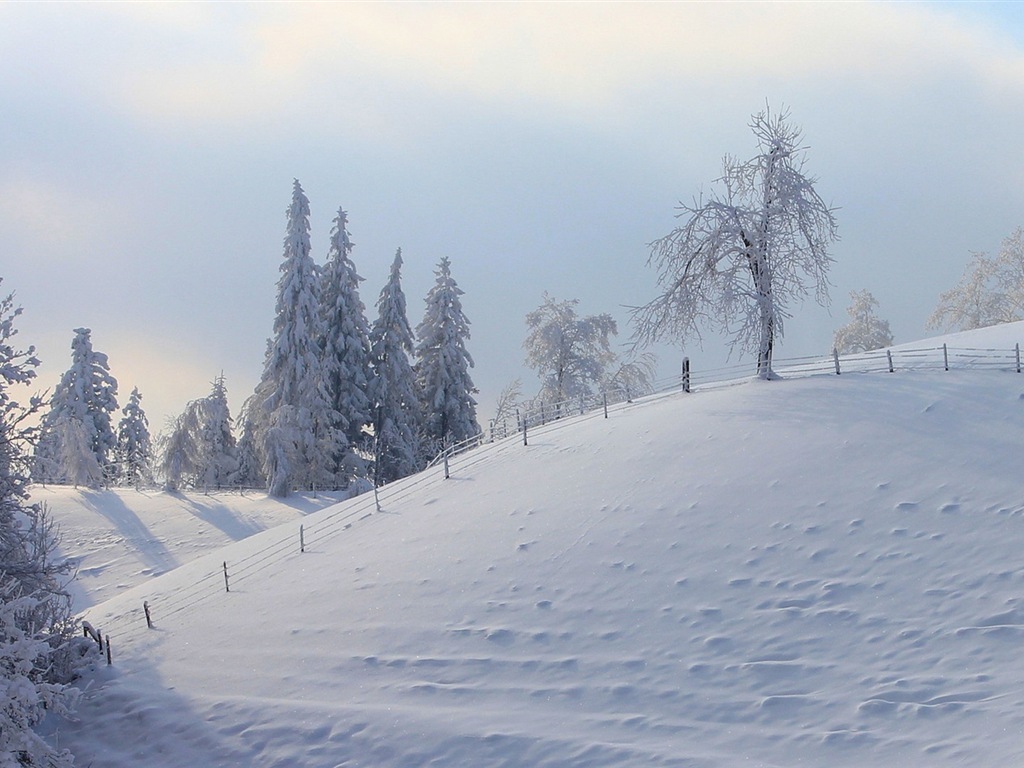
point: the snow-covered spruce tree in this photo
(250, 467)
(990, 291)
(442, 366)
(37, 648)
(134, 444)
(345, 347)
(218, 454)
(297, 444)
(865, 331)
(78, 423)
(746, 253)
(570, 353)
(396, 407)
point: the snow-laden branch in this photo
(743, 256)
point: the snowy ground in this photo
(821, 571)
(122, 537)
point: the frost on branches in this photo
(990, 291)
(200, 451)
(571, 354)
(38, 652)
(442, 366)
(26, 695)
(743, 256)
(78, 443)
(865, 331)
(396, 406)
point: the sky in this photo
(147, 154)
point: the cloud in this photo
(51, 214)
(575, 59)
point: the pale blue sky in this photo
(147, 153)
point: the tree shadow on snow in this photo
(135, 533)
(222, 518)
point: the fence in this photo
(537, 418)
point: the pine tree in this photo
(396, 417)
(134, 444)
(77, 433)
(442, 365)
(218, 455)
(346, 350)
(291, 411)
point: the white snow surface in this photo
(818, 571)
(121, 537)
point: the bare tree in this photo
(989, 292)
(865, 331)
(745, 254)
(634, 376)
(505, 407)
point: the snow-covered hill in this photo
(821, 571)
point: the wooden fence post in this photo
(686, 374)
(227, 587)
(446, 473)
(109, 660)
(835, 359)
(149, 618)
(888, 354)
(1016, 349)
(945, 357)
(524, 432)
(604, 397)
(302, 533)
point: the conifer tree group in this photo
(77, 443)
(339, 402)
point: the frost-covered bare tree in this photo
(989, 292)
(570, 353)
(505, 407)
(865, 331)
(37, 647)
(633, 377)
(758, 243)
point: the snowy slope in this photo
(121, 537)
(820, 571)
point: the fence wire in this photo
(533, 418)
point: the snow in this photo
(815, 571)
(122, 537)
